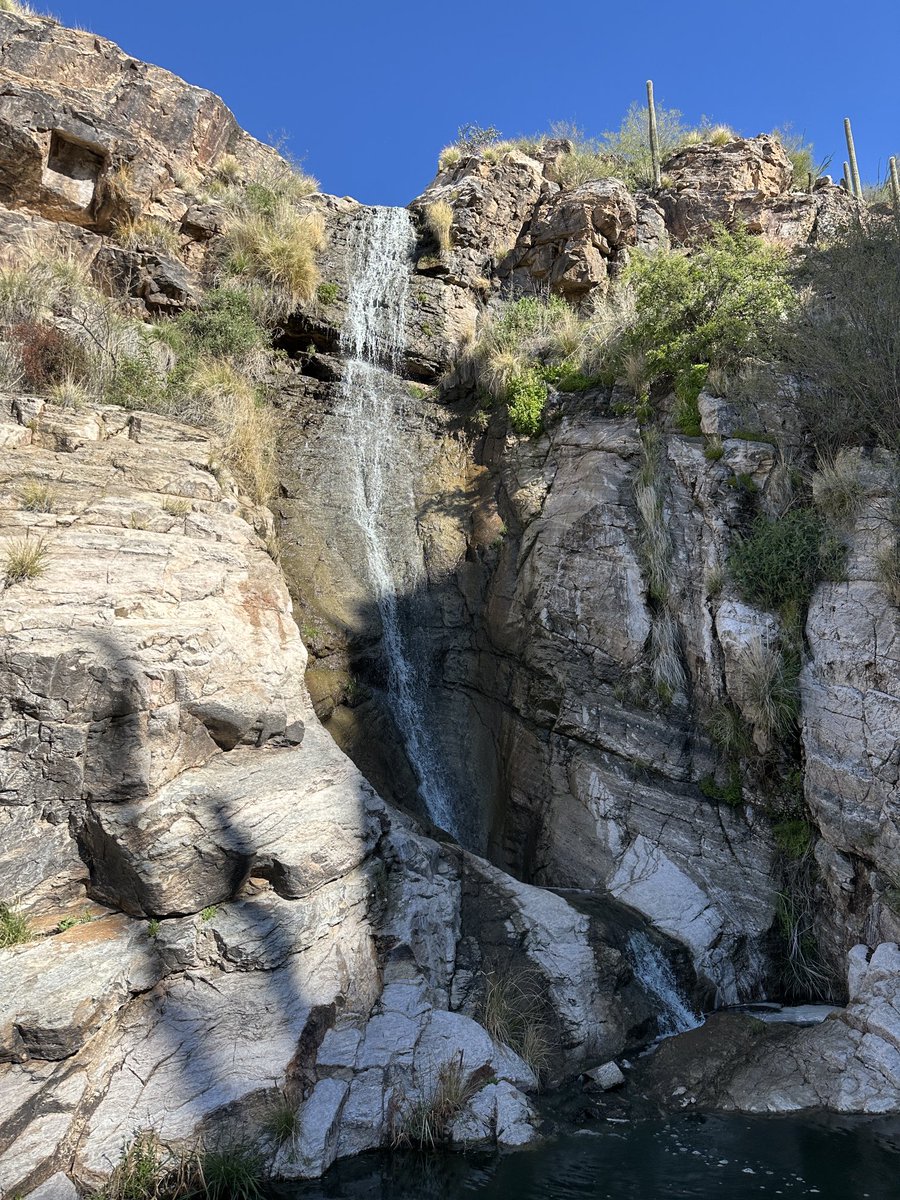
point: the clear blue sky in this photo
(368, 93)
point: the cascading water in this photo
(654, 972)
(372, 408)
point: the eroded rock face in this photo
(288, 934)
(88, 134)
(849, 1062)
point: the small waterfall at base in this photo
(380, 478)
(654, 971)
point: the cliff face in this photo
(231, 915)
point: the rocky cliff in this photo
(238, 905)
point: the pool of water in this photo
(695, 1155)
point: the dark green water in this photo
(732, 1157)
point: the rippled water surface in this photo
(692, 1156)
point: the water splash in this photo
(380, 478)
(654, 972)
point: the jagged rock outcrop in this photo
(849, 1062)
(162, 758)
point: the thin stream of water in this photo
(380, 478)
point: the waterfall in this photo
(654, 972)
(380, 478)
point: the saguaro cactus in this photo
(654, 137)
(851, 152)
(848, 182)
(895, 191)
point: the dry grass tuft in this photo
(245, 424)
(438, 220)
(279, 250)
(148, 233)
(424, 1122)
(887, 562)
(835, 486)
(24, 559)
(513, 1013)
(767, 688)
(15, 929)
(38, 497)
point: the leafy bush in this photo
(780, 563)
(327, 293)
(526, 398)
(223, 325)
(47, 355)
(843, 344)
(715, 306)
(629, 145)
(24, 559)
(688, 387)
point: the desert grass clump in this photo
(513, 1011)
(279, 250)
(232, 1172)
(424, 1122)
(38, 497)
(283, 1120)
(15, 929)
(767, 687)
(24, 559)
(227, 400)
(887, 565)
(148, 233)
(438, 220)
(836, 488)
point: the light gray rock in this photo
(606, 1076)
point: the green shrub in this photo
(779, 564)
(629, 145)
(715, 306)
(688, 387)
(526, 398)
(730, 793)
(793, 837)
(224, 325)
(15, 929)
(842, 344)
(327, 293)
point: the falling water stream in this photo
(372, 407)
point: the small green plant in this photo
(417, 392)
(731, 792)
(153, 927)
(526, 398)
(71, 922)
(15, 929)
(688, 387)
(223, 326)
(209, 912)
(38, 497)
(232, 1172)
(327, 293)
(793, 837)
(713, 450)
(24, 559)
(283, 1120)
(779, 564)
